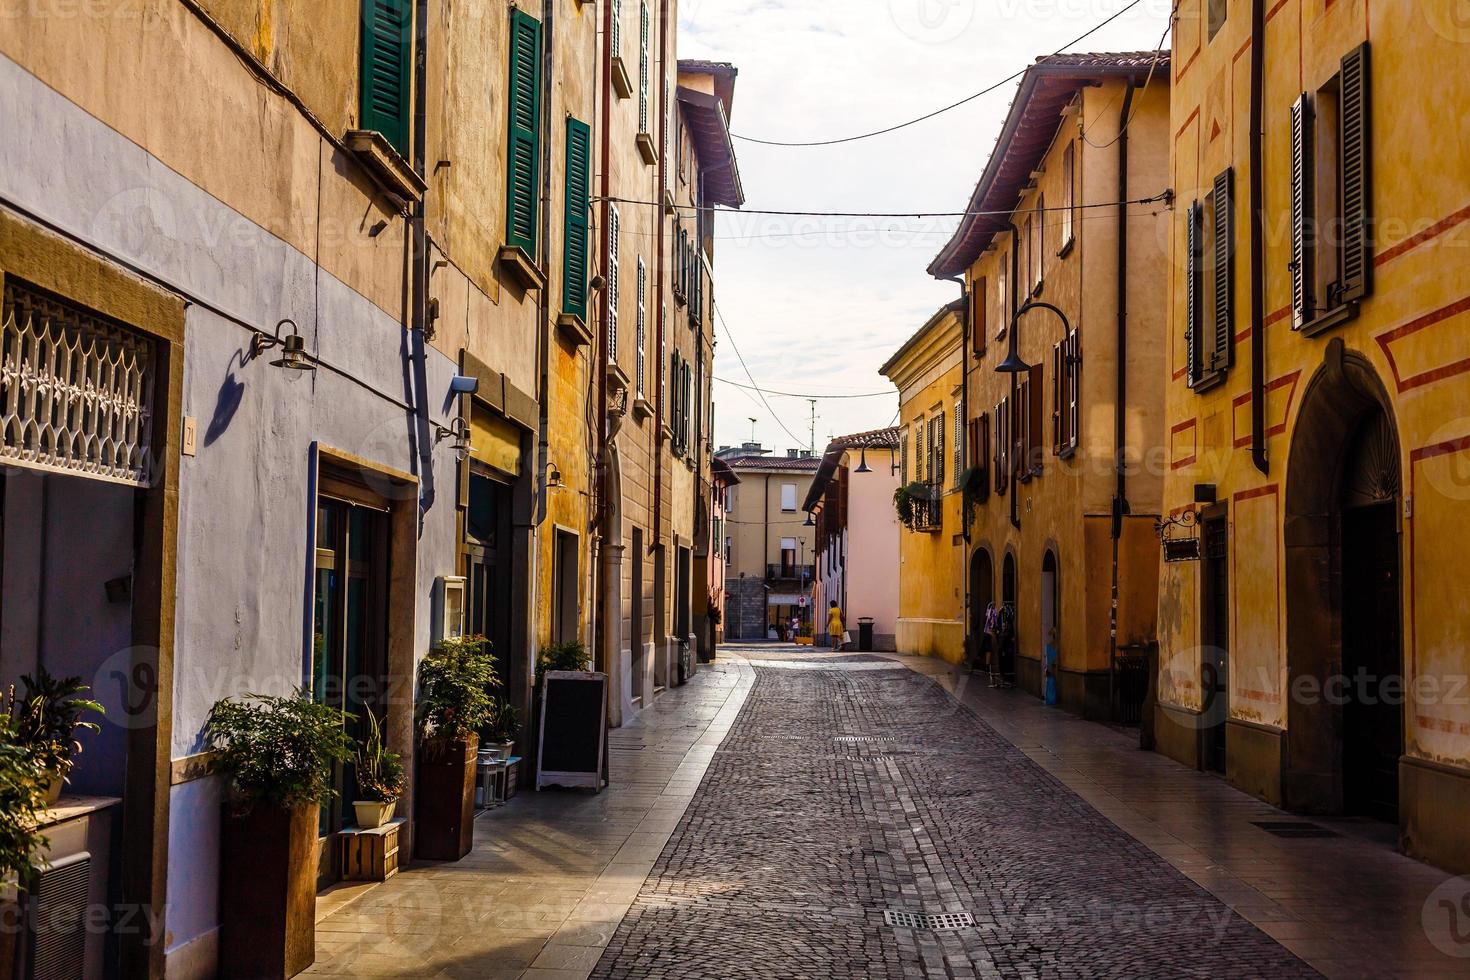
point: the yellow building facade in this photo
(1314, 635)
(1061, 533)
(928, 372)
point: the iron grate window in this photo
(75, 390)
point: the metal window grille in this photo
(642, 319)
(75, 391)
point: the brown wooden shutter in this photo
(978, 325)
(1303, 221)
(1074, 389)
(1192, 276)
(1058, 394)
(1223, 356)
(1034, 429)
(982, 454)
(1355, 119)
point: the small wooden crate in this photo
(512, 776)
(370, 855)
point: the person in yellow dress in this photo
(834, 625)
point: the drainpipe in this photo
(1120, 398)
(543, 336)
(660, 366)
(1015, 284)
(1258, 239)
(599, 483)
(966, 326)
(419, 270)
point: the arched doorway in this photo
(1008, 580)
(1343, 593)
(1050, 598)
(982, 593)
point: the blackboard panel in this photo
(573, 728)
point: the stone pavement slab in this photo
(551, 873)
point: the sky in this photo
(817, 305)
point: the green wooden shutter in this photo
(576, 230)
(524, 149)
(1303, 255)
(387, 27)
(1357, 199)
(1224, 246)
(1192, 294)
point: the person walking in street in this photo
(834, 625)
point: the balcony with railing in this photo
(785, 574)
(928, 509)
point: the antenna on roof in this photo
(813, 403)
(752, 428)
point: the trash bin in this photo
(865, 633)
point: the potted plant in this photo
(22, 798)
(45, 718)
(379, 778)
(277, 755)
(562, 656)
(504, 726)
(456, 679)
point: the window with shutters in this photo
(921, 462)
(1002, 295)
(959, 444)
(1028, 424)
(387, 55)
(1023, 269)
(1038, 247)
(1000, 440)
(903, 459)
(575, 237)
(612, 284)
(980, 454)
(1066, 384)
(1331, 195)
(524, 144)
(687, 403)
(643, 68)
(642, 323)
(615, 43)
(1069, 199)
(979, 297)
(936, 451)
(1210, 270)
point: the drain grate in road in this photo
(861, 738)
(1294, 828)
(938, 922)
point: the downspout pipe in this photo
(1013, 294)
(966, 328)
(419, 271)
(659, 366)
(543, 349)
(602, 475)
(1258, 238)
(1120, 399)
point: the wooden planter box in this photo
(444, 801)
(268, 869)
(370, 855)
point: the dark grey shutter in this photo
(1303, 223)
(1357, 196)
(1058, 395)
(1192, 294)
(1224, 245)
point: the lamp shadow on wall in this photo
(227, 400)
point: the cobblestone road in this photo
(844, 793)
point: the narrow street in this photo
(804, 815)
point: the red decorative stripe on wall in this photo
(1386, 339)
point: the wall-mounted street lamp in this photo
(459, 431)
(553, 479)
(293, 348)
(1014, 364)
(863, 466)
(808, 522)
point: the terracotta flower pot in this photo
(372, 814)
(268, 868)
(444, 802)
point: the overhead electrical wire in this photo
(1155, 199)
(729, 335)
(937, 112)
(794, 394)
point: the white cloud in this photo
(819, 304)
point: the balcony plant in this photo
(277, 756)
(45, 718)
(911, 502)
(457, 681)
(380, 777)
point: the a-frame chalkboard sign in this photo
(573, 729)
